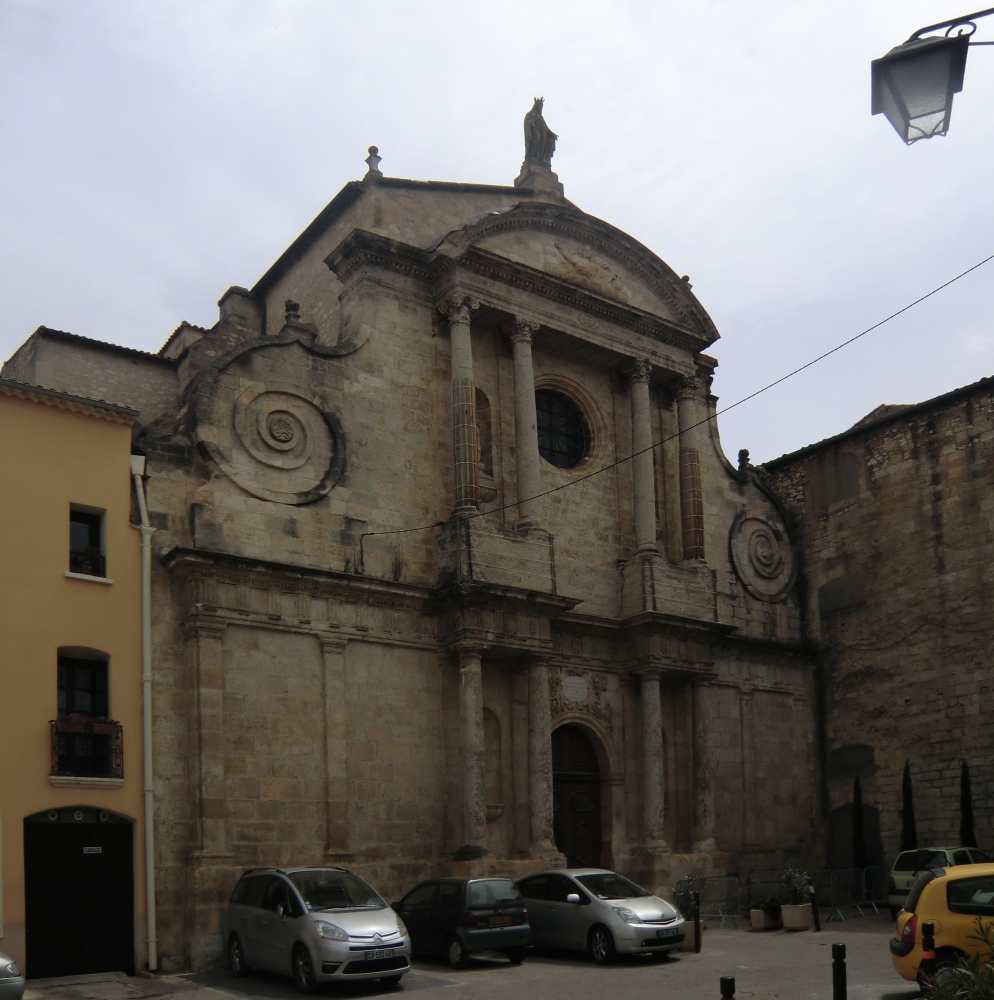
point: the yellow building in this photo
(72, 880)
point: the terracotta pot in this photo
(687, 944)
(796, 918)
(761, 921)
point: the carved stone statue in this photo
(540, 140)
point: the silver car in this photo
(11, 980)
(319, 925)
(601, 912)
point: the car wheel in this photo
(390, 980)
(516, 955)
(601, 945)
(456, 952)
(236, 957)
(303, 970)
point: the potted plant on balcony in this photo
(683, 900)
(765, 916)
(796, 909)
(103, 726)
(71, 723)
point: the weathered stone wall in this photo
(895, 524)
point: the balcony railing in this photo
(87, 749)
(87, 562)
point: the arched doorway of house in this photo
(576, 797)
(79, 892)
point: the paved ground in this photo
(776, 964)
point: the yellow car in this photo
(953, 901)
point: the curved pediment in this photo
(577, 248)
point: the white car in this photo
(11, 980)
(600, 912)
(319, 925)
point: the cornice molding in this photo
(65, 401)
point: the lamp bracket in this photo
(966, 21)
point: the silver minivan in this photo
(318, 925)
(600, 912)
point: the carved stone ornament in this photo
(275, 440)
(573, 690)
(762, 555)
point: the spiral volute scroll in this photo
(275, 441)
(762, 555)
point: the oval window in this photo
(562, 431)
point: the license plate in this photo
(499, 921)
(385, 953)
(663, 932)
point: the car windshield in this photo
(493, 892)
(611, 886)
(916, 861)
(331, 890)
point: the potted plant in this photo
(796, 909)
(765, 916)
(683, 900)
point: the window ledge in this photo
(66, 781)
(86, 576)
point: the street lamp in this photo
(913, 85)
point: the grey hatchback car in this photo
(318, 925)
(600, 912)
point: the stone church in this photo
(451, 572)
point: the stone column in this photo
(691, 493)
(335, 750)
(465, 435)
(643, 470)
(526, 424)
(540, 760)
(704, 842)
(653, 771)
(471, 723)
(204, 652)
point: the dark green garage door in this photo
(79, 893)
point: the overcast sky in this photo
(152, 154)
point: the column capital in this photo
(458, 307)
(196, 628)
(333, 643)
(649, 674)
(686, 388)
(464, 650)
(639, 370)
(523, 331)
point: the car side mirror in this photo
(280, 910)
(573, 897)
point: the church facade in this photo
(418, 609)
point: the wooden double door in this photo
(576, 797)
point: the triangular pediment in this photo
(584, 251)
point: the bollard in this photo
(838, 972)
(727, 987)
(814, 908)
(697, 923)
(927, 969)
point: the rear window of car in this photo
(972, 896)
(611, 886)
(492, 892)
(916, 861)
(334, 890)
(979, 858)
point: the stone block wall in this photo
(896, 530)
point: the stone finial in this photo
(373, 162)
(292, 312)
(744, 464)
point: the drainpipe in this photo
(147, 531)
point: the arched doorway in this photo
(576, 797)
(79, 892)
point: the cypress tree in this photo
(967, 838)
(909, 832)
(859, 852)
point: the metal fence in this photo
(721, 898)
(839, 892)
